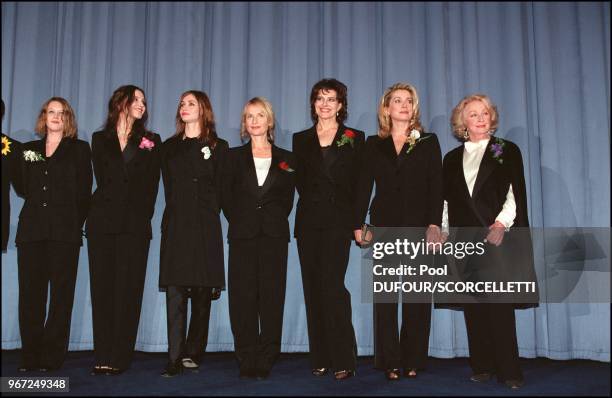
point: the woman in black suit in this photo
(328, 159)
(126, 165)
(259, 185)
(406, 164)
(57, 178)
(484, 186)
(11, 170)
(191, 253)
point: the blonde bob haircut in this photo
(69, 119)
(384, 121)
(457, 123)
(267, 108)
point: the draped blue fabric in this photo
(545, 65)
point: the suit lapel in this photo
(248, 163)
(130, 149)
(315, 158)
(273, 172)
(113, 149)
(60, 151)
(464, 188)
(334, 150)
(487, 165)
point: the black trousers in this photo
(256, 287)
(176, 309)
(324, 256)
(117, 268)
(45, 344)
(491, 332)
(409, 348)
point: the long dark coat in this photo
(513, 259)
(191, 252)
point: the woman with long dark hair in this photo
(126, 164)
(191, 254)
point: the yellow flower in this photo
(6, 146)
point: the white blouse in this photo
(473, 152)
(262, 166)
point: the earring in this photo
(466, 135)
(337, 114)
(490, 132)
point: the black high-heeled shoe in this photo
(114, 371)
(172, 370)
(320, 371)
(98, 370)
(343, 374)
(392, 374)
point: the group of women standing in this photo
(334, 170)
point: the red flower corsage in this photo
(285, 166)
(347, 137)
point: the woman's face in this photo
(55, 117)
(401, 106)
(256, 120)
(190, 109)
(477, 120)
(137, 108)
(327, 104)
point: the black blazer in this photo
(11, 172)
(127, 183)
(252, 210)
(191, 251)
(57, 192)
(513, 259)
(408, 185)
(327, 185)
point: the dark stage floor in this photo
(218, 375)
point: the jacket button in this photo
(258, 207)
(44, 187)
(44, 204)
(46, 172)
(195, 180)
(125, 180)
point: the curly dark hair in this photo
(325, 85)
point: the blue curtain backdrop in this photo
(547, 66)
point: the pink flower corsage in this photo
(146, 143)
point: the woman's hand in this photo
(433, 236)
(496, 233)
(358, 239)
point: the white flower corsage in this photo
(32, 156)
(413, 139)
(206, 152)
